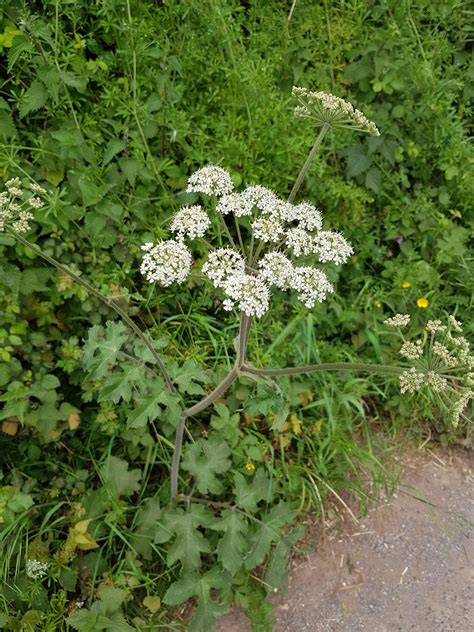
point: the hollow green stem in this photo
(327, 366)
(106, 300)
(307, 164)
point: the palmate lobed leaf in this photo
(249, 493)
(119, 479)
(203, 460)
(233, 545)
(268, 530)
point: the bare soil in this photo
(408, 566)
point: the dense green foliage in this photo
(110, 105)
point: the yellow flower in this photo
(378, 304)
(250, 467)
(422, 303)
(406, 285)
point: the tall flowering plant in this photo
(258, 243)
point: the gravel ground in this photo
(407, 567)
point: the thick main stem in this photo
(193, 410)
(307, 164)
(109, 302)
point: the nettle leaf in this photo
(233, 544)
(119, 479)
(33, 99)
(268, 530)
(189, 542)
(249, 492)
(203, 460)
(102, 347)
(207, 612)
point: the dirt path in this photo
(409, 566)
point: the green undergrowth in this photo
(110, 105)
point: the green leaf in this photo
(207, 612)
(358, 161)
(266, 532)
(33, 99)
(120, 385)
(146, 525)
(102, 347)
(112, 598)
(249, 492)
(203, 460)
(187, 376)
(35, 280)
(233, 544)
(373, 179)
(359, 69)
(7, 126)
(149, 411)
(119, 479)
(276, 573)
(114, 146)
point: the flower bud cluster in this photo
(327, 109)
(399, 320)
(36, 569)
(412, 350)
(16, 204)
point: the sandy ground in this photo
(408, 566)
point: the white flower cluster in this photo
(325, 108)
(399, 320)
(36, 569)
(211, 180)
(458, 407)
(412, 350)
(411, 381)
(274, 223)
(166, 263)
(434, 326)
(15, 205)
(190, 221)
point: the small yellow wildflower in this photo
(406, 285)
(250, 467)
(422, 303)
(378, 304)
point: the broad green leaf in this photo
(114, 146)
(7, 126)
(149, 411)
(276, 573)
(33, 99)
(187, 376)
(207, 612)
(268, 530)
(119, 479)
(188, 544)
(103, 346)
(146, 526)
(119, 385)
(249, 492)
(112, 598)
(233, 544)
(203, 460)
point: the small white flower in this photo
(14, 183)
(261, 198)
(330, 246)
(455, 324)
(236, 203)
(307, 216)
(411, 381)
(433, 326)
(412, 351)
(399, 320)
(251, 293)
(166, 263)
(37, 189)
(276, 269)
(311, 284)
(190, 221)
(35, 202)
(211, 180)
(36, 569)
(221, 264)
(267, 229)
(299, 241)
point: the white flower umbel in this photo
(411, 381)
(330, 246)
(36, 569)
(267, 229)
(434, 326)
(17, 203)
(327, 109)
(211, 180)
(277, 270)
(236, 203)
(311, 284)
(399, 320)
(251, 293)
(221, 264)
(412, 350)
(299, 241)
(166, 263)
(190, 221)
(261, 198)
(458, 407)
(307, 216)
